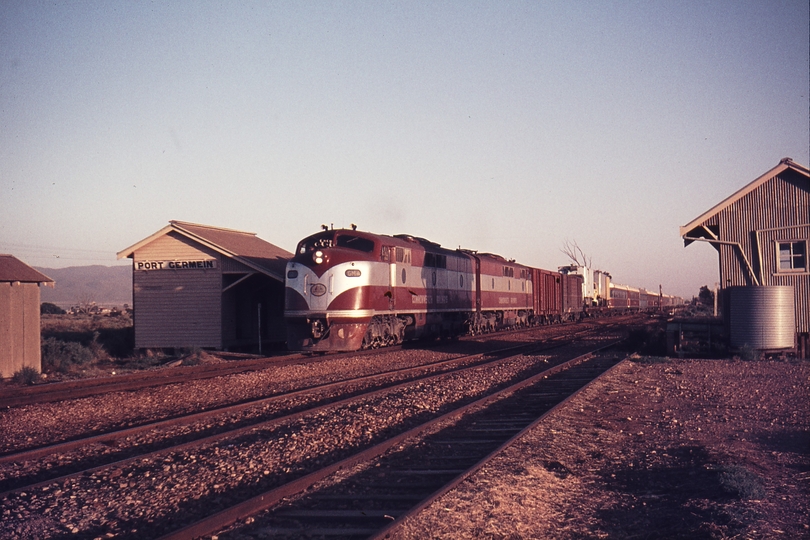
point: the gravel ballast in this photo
(658, 449)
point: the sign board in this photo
(204, 264)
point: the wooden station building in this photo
(762, 235)
(197, 286)
(19, 315)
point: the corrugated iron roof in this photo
(13, 269)
(242, 246)
(784, 164)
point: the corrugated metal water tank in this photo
(762, 318)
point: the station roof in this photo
(241, 246)
(13, 269)
(784, 165)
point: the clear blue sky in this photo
(500, 126)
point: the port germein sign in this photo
(204, 264)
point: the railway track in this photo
(110, 427)
(234, 363)
(44, 393)
(402, 475)
(133, 468)
(228, 421)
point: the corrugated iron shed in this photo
(762, 235)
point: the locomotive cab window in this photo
(792, 256)
(355, 242)
(403, 255)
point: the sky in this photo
(500, 126)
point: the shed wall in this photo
(19, 327)
(177, 308)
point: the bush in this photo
(117, 342)
(61, 355)
(27, 375)
(46, 308)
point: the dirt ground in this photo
(659, 449)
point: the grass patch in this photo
(73, 343)
(740, 483)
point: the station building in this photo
(19, 315)
(762, 235)
(198, 286)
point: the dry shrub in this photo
(27, 376)
(741, 483)
(58, 355)
(199, 356)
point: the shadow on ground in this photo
(688, 495)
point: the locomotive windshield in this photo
(327, 240)
(355, 242)
(318, 241)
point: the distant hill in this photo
(104, 285)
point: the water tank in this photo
(762, 318)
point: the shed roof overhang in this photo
(696, 229)
(708, 233)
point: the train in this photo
(348, 290)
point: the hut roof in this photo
(242, 246)
(13, 269)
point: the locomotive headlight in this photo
(318, 257)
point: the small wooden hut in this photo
(19, 315)
(198, 286)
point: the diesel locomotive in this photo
(347, 290)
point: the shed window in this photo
(793, 256)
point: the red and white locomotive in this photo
(348, 290)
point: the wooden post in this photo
(260, 329)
